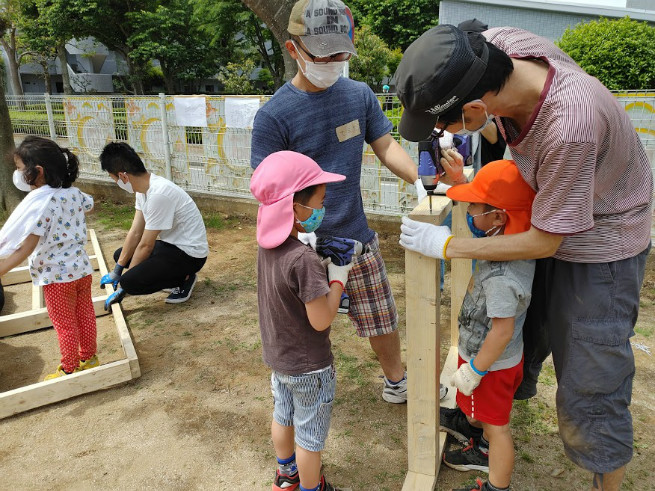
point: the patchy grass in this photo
(114, 215)
(217, 221)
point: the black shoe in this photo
(469, 458)
(182, 294)
(454, 422)
(478, 486)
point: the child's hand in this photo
(339, 273)
(465, 379)
(453, 163)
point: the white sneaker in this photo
(443, 391)
(395, 393)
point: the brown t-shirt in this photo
(288, 277)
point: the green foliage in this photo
(397, 22)
(372, 60)
(235, 77)
(113, 215)
(620, 53)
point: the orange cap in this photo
(500, 184)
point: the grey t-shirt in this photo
(497, 290)
(331, 127)
(288, 277)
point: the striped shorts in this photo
(305, 402)
(372, 307)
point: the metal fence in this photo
(216, 158)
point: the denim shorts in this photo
(305, 402)
(591, 312)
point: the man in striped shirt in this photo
(591, 218)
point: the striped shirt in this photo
(581, 154)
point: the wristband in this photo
(337, 281)
(482, 374)
(445, 246)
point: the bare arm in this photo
(322, 310)
(533, 244)
(392, 155)
(145, 247)
(133, 238)
(495, 343)
(20, 254)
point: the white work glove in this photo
(421, 193)
(425, 238)
(339, 273)
(308, 239)
(465, 379)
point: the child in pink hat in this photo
(297, 303)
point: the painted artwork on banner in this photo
(144, 134)
(226, 151)
(89, 124)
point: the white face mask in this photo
(322, 75)
(19, 181)
(466, 132)
(125, 186)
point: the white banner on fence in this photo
(190, 111)
(240, 111)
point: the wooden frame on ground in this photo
(62, 388)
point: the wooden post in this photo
(423, 334)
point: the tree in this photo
(373, 58)
(275, 14)
(235, 77)
(9, 195)
(620, 53)
(11, 41)
(397, 22)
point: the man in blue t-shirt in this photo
(329, 118)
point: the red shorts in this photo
(491, 401)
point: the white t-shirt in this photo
(168, 208)
(59, 257)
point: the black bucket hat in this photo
(437, 71)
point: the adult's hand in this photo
(453, 163)
(465, 379)
(424, 238)
(115, 297)
(420, 190)
(113, 277)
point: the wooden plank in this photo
(32, 320)
(22, 273)
(62, 388)
(419, 482)
(422, 311)
(460, 272)
(38, 302)
(119, 319)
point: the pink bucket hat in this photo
(274, 183)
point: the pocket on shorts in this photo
(600, 356)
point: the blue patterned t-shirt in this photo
(331, 127)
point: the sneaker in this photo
(454, 422)
(90, 363)
(326, 486)
(469, 458)
(282, 482)
(395, 393)
(443, 391)
(59, 373)
(478, 486)
(182, 294)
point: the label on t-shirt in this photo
(348, 130)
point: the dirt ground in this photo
(199, 416)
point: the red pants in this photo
(70, 308)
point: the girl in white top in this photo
(49, 226)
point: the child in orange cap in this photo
(297, 304)
(490, 324)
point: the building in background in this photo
(547, 18)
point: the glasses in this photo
(322, 60)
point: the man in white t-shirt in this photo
(164, 211)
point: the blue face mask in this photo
(477, 233)
(314, 220)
